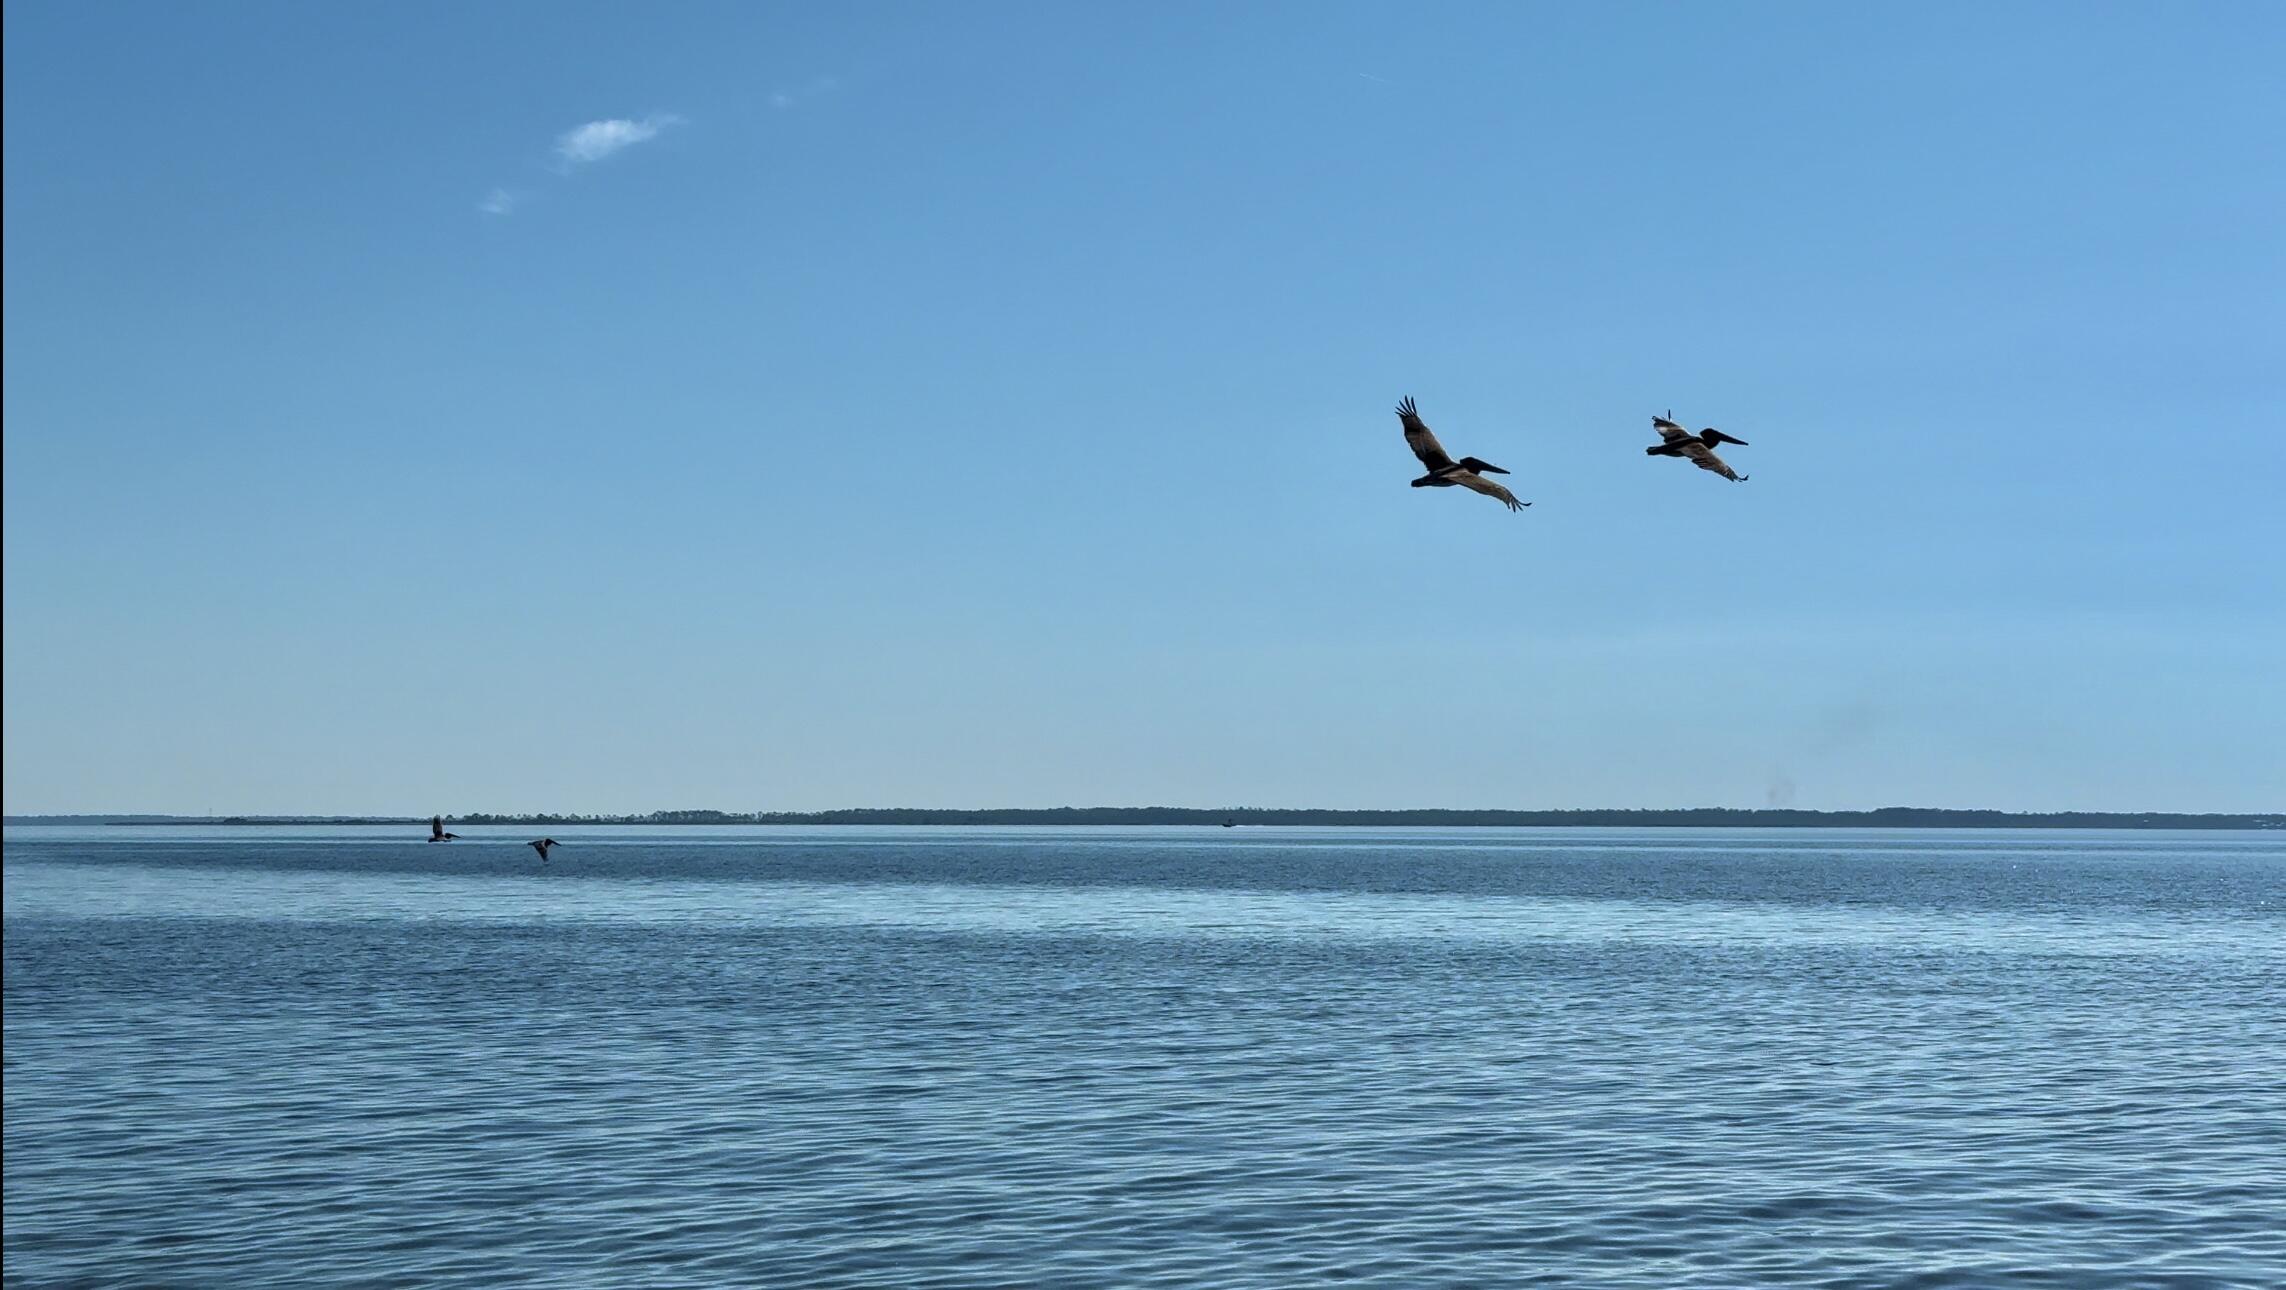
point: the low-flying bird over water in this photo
(1699, 447)
(1444, 472)
(542, 846)
(437, 830)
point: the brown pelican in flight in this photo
(1699, 448)
(542, 846)
(437, 830)
(1444, 472)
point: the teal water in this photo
(1174, 1057)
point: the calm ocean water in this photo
(1145, 1057)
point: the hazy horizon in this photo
(723, 404)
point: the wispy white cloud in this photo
(788, 96)
(596, 140)
(582, 146)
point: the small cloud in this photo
(584, 145)
(788, 96)
(599, 139)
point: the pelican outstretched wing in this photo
(1704, 458)
(1668, 430)
(1420, 440)
(1478, 483)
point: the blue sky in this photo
(989, 405)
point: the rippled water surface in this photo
(1248, 1057)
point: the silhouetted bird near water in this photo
(1699, 448)
(1444, 472)
(437, 830)
(542, 846)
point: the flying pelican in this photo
(542, 846)
(437, 830)
(1699, 448)
(1444, 472)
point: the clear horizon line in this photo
(1198, 810)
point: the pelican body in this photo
(437, 830)
(542, 846)
(1698, 448)
(1444, 472)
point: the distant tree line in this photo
(655, 817)
(1888, 817)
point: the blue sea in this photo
(1148, 1057)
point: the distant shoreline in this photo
(1892, 817)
